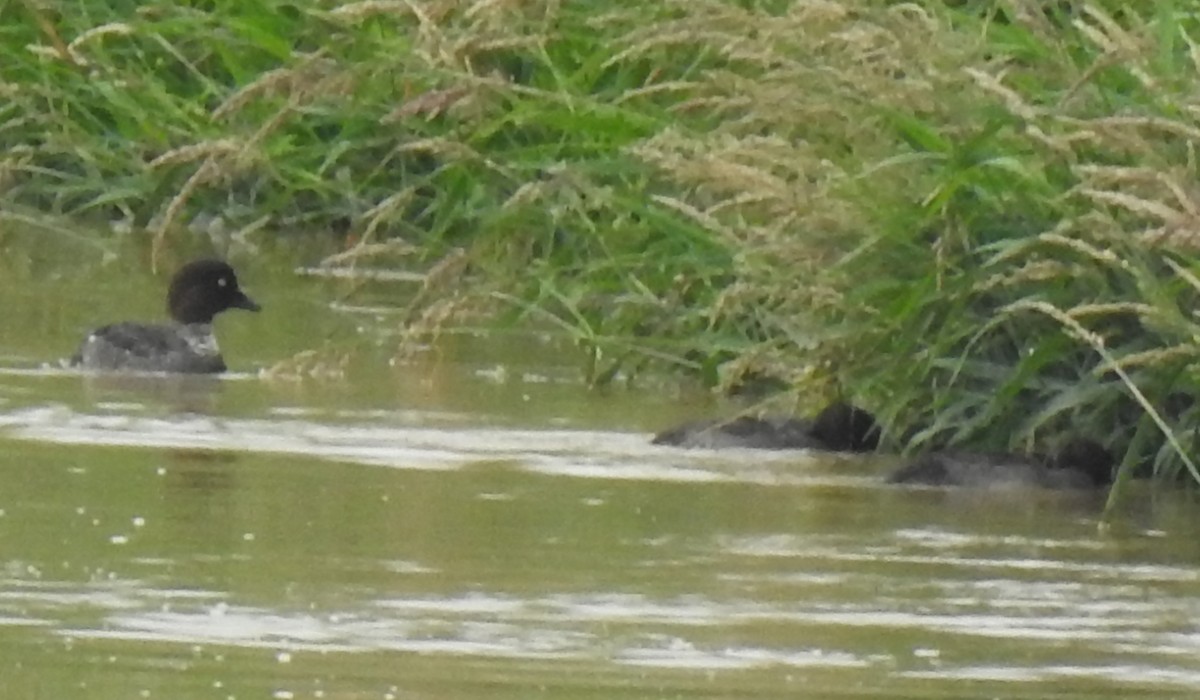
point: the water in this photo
(475, 524)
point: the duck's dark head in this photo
(1087, 457)
(202, 289)
(846, 428)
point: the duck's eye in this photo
(222, 281)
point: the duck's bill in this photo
(244, 302)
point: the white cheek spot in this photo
(222, 282)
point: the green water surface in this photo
(474, 523)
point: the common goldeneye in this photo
(200, 290)
(840, 427)
(1079, 464)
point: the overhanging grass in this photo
(994, 235)
(976, 218)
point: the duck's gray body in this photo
(189, 348)
(199, 291)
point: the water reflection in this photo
(345, 437)
(120, 392)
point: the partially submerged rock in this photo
(1079, 464)
(840, 427)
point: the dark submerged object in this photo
(1079, 464)
(840, 427)
(199, 291)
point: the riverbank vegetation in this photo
(977, 218)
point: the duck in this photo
(1079, 464)
(199, 290)
(839, 427)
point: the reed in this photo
(976, 217)
(981, 223)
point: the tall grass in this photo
(483, 137)
(986, 220)
(976, 218)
